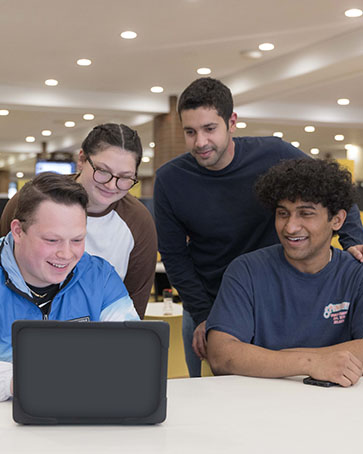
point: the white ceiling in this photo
(318, 58)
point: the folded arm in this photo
(341, 363)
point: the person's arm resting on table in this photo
(341, 363)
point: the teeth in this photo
(296, 238)
(58, 266)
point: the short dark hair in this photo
(113, 134)
(311, 180)
(62, 189)
(207, 92)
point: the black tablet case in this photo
(90, 373)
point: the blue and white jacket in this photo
(93, 292)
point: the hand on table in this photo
(340, 367)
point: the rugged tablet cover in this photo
(90, 373)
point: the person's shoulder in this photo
(132, 211)
(345, 259)
(270, 144)
(258, 259)
(92, 263)
(182, 161)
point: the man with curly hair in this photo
(295, 308)
(206, 211)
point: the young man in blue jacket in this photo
(44, 271)
(295, 308)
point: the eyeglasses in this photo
(104, 176)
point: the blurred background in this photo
(295, 70)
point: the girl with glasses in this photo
(119, 227)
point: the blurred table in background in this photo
(176, 362)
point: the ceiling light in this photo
(128, 35)
(152, 144)
(30, 139)
(339, 137)
(88, 117)
(145, 159)
(4, 112)
(278, 134)
(354, 12)
(352, 152)
(314, 151)
(46, 132)
(266, 46)
(241, 125)
(51, 82)
(69, 124)
(19, 174)
(343, 101)
(295, 143)
(204, 71)
(157, 89)
(255, 54)
(84, 62)
(309, 128)
(348, 146)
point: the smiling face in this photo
(52, 244)
(305, 232)
(207, 137)
(117, 161)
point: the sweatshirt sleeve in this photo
(141, 268)
(6, 374)
(172, 241)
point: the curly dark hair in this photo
(207, 92)
(311, 180)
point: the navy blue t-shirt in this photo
(265, 301)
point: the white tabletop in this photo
(215, 415)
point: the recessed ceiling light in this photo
(19, 174)
(204, 71)
(339, 137)
(84, 62)
(69, 124)
(46, 132)
(343, 101)
(128, 35)
(88, 117)
(241, 125)
(352, 151)
(157, 89)
(314, 151)
(30, 139)
(152, 144)
(51, 82)
(354, 12)
(278, 134)
(309, 128)
(266, 46)
(295, 143)
(145, 159)
(4, 112)
(254, 54)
